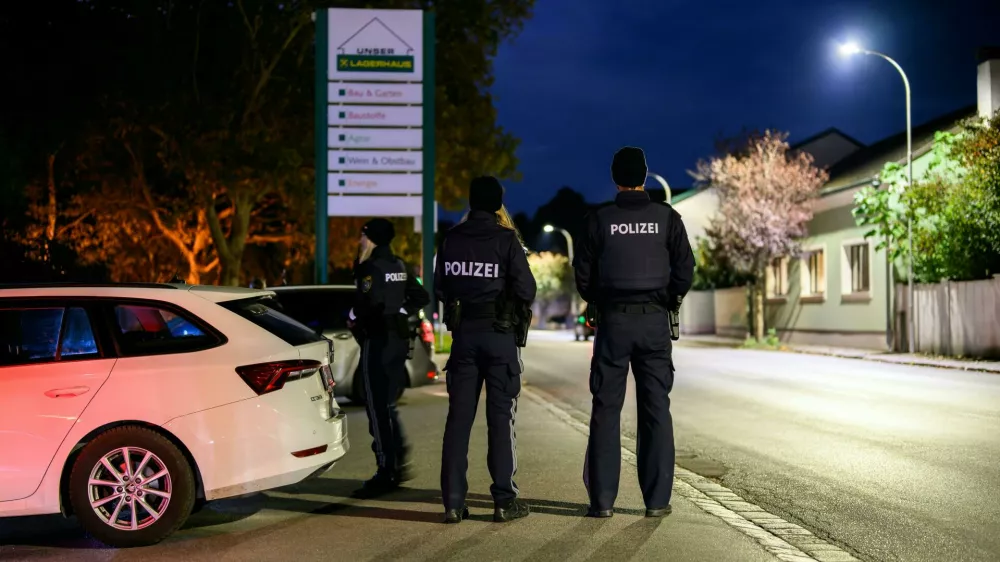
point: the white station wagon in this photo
(124, 405)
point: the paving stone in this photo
(795, 558)
(782, 532)
(830, 556)
(739, 506)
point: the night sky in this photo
(585, 77)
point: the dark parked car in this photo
(324, 308)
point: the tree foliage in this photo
(189, 135)
(553, 275)
(954, 207)
(713, 269)
(765, 203)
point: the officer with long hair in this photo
(481, 276)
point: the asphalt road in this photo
(890, 462)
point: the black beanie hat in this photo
(628, 169)
(379, 231)
(485, 194)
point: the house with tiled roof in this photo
(836, 292)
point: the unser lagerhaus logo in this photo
(375, 48)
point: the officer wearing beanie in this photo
(633, 264)
(387, 294)
(658, 195)
(481, 270)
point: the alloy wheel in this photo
(129, 488)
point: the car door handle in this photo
(67, 392)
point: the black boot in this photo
(456, 515)
(404, 467)
(380, 484)
(599, 513)
(405, 473)
(659, 512)
(516, 509)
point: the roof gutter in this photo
(860, 183)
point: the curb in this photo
(784, 540)
(971, 367)
(911, 363)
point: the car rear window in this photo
(258, 311)
(323, 309)
(154, 330)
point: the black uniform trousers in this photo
(383, 363)
(477, 358)
(642, 339)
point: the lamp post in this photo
(663, 182)
(569, 251)
(853, 49)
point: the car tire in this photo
(164, 505)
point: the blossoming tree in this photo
(765, 201)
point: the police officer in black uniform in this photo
(658, 195)
(481, 270)
(634, 264)
(387, 294)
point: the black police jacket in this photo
(478, 261)
(634, 250)
(385, 288)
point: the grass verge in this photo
(769, 343)
(443, 343)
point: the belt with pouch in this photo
(479, 311)
(635, 308)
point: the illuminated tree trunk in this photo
(53, 209)
(758, 305)
(230, 250)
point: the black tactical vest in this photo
(393, 277)
(632, 245)
(474, 262)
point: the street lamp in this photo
(852, 48)
(663, 182)
(569, 250)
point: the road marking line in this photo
(786, 541)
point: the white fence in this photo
(731, 312)
(954, 318)
(698, 313)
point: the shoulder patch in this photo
(366, 284)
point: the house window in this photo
(777, 278)
(858, 268)
(814, 273)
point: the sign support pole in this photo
(320, 128)
(428, 215)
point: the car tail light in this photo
(432, 375)
(268, 377)
(427, 332)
